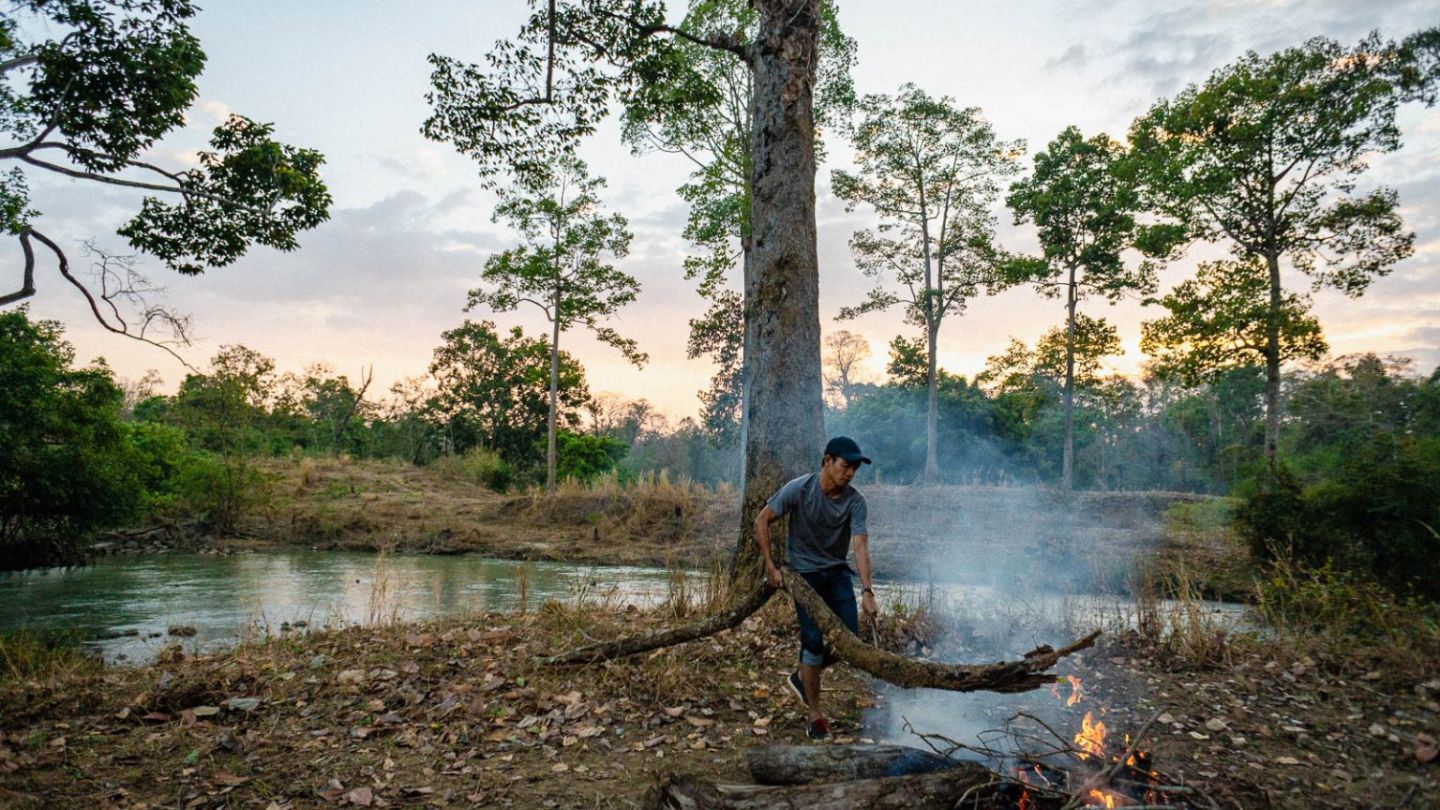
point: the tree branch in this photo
(27, 283)
(63, 265)
(1003, 676)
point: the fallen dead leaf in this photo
(1426, 749)
(228, 779)
(360, 797)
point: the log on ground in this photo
(941, 789)
(798, 764)
(634, 645)
(1003, 676)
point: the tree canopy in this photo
(1265, 157)
(931, 171)
(90, 86)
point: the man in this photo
(827, 516)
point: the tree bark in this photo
(798, 764)
(940, 790)
(554, 400)
(783, 421)
(1272, 366)
(932, 408)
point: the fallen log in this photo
(798, 764)
(1003, 676)
(634, 645)
(941, 789)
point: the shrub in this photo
(479, 465)
(585, 457)
(221, 490)
(1375, 511)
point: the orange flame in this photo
(1075, 691)
(1099, 798)
(1091, 739)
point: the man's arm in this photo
(861, 542)
(762, 536)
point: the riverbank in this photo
(459, 713)
(1083, 542)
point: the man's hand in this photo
(867, 604)
(773, 575)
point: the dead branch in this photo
(1002, 676)
(635, 645)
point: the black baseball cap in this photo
(846, 448)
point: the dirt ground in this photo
(460, 713)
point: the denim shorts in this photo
(833, 585)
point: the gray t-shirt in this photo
(820, 528)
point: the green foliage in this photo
(91, 86)
(1347, 609)
(585, 457)
(66, 467)
(1083, 203)
(931, 171)
(1222, 319)
(220, 491)
(492, 391)
(478, 465)
(1265, 157)
(1361, 486)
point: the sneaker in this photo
(796, 687)
(819, 729)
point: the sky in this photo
(411, 227)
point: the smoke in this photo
(1001, 570)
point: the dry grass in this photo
(367, 505)
(1173, 619)
(30, 655)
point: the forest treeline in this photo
(84, 452)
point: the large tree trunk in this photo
(1272, 365)
(941, 790)
(798, 764)
(1067, 463)
(783, 421)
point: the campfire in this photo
(1027, 764)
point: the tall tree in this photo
(931, 171)
(540, 93)
(561, 268)
(708, 123)
(1084, 209)
(606, 48)
(1265, 157)
(88, 87)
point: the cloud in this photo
(1073, 57)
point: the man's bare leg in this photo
(810, 679)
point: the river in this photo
(124, 606)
